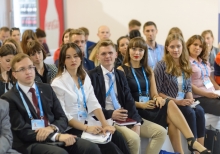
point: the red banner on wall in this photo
(51, 18)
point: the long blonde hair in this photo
(93, 55)
(183, 59)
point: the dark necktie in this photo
(35, 102)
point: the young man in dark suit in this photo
(117, 102)
(77, 36)
(37, 118)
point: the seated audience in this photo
(41, 37)
(4, 34)
(155, 50)
(15, 44)
(77, 36)
(88, 43)
(27, 36)
(203, 86)
(103, 34)
(117, 102)
(122, 44)
(172, 76)
(65, 39)
(212, 51)
(6, 138)
(15, 34)
(83, 101)
(149, 104)
(7, 53)
(36, 116)
(43, 72)
(134, 33)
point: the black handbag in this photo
(212, 139)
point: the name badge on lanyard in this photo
(35, 123)
(142, 99)
(82, 115)
(181, 94)
(207, 83)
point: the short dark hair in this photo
(33, 47)
(134, 33)
(13, 29)
(150, 23)
(133, 23)
(40, 33)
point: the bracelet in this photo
(58, 136)
(86, 128)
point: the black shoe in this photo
(190, 146)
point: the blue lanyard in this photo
(158, 58)
(206, 69)
(26, 106)
(183, 85)
(83, 93)
(138, 84)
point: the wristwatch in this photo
(54, 128)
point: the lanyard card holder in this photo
(208, 84)
(143, 99)
(180, 95)
(37, 123)
(82, 115)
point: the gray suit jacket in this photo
(5, 129)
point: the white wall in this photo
(191, 16)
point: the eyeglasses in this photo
(30, 68)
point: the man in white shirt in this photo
(113, 93)
(37, 118)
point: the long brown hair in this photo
(11, 40)
(80, 72)
(6, 50)
(204, 54)
(28, 34)
(139, 43)
(183, 59)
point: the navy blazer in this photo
(124, 96)
(88, 44)
(88, 64)
(23, 135)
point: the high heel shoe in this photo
(190, 146)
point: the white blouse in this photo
(66, 91)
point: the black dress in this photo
(156, 115)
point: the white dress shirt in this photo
(108, 103)
(66, 91)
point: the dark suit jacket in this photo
(124, 96)
(21, 124)
(88, 44)
(88, 64)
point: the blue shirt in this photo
(155, 55)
